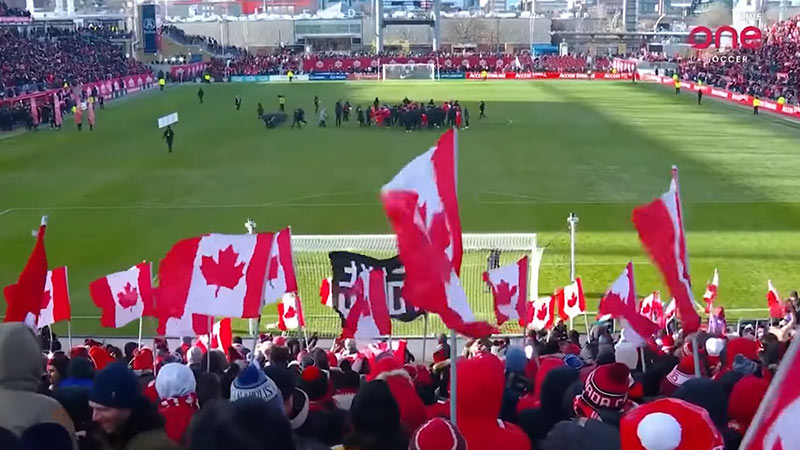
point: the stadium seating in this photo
(770, 71)
(30, 64)
(5, 11)
(208, 44)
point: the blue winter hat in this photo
(516, 360)
(252, 382)
(116, 386)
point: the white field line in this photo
(6, 211)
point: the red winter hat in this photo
(384, 363)
(746, 347)
(667, 343)
(746, 396)
(605, 388)
(437, 434)
(669, 424)
(100, 357)
(79, 352)
(680, 374)
(279, 341)
(143, 360)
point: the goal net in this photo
(313, 265)
(408, 72)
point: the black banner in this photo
(347, 267)
(149, 29)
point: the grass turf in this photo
(116, 197)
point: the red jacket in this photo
(480, 393)
(178, 412)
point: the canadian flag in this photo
(325, 296)
(422, 206)
(369, 315)
(774, 426)
(670, 312)
(123, 296)
(187, 325)
(652, 308)
(290, 312)
(397, 347)
(509, 286)
(281, 279)
(620, 302)
(774, 301)
(574, 303)
(24, 297)
(55, 301)
(660, 227)
(542, 312)
(218, 275)
(221, 336)
(710, 295)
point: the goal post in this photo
(312, 265)
(391, 72)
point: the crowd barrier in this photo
(733, 97)
(106, 88)
(345, 64)
(187, 71)
(549, 76)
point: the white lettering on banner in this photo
(769, 105)
(573, 75)
(352, 271)
(395, 289)
(740, 97)
(729, 59)
(719, 93)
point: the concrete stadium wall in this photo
(455, 31)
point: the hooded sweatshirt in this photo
(480, 393)
(21, 365)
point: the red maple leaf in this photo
(542, 313)
(224, 272)
(503, 294)
(46, 297)
(646, 309)
(128, 297)
(572, 300)
(289, 312)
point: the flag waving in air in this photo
(422, 206)
(368, 317)
(123, 296)
(55, 299)
(325, 296)
(710, 295)
(221, 336)
(509, 286)
(620, 302)
(290, 312)
(574, 303)
(281, 278)
(542, 312)
(24, 297)
(774, 301)
(220, 275)
(652, 308)
(660, 227)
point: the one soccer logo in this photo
(149, 25)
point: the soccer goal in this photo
(408, 72)
(481, 251)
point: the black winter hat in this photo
(116, 386)
(375, 410)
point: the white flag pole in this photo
(208, 346)
(424, 337)
(250, 225)
(453, 384)
(69, 333)
(50, 328)
(305, 335)
(140, 332)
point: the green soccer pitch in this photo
(115, 196)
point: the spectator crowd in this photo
(557, 390)
(209, 44)
(6, 11)
(40, 62)
(770, 71)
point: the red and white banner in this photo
(221, 337)
(548, 76)
(710, 296)
(733, 97)
(325, 296)
(187, 71)
(660, 227)
(542, 313)
(219, 275)
(671, 311)
(24, 298)
(774, 426)
(55, 301)
(574, 303)
(620, 302)
(509, 286)
(369, 315)
(774, 301)
(123, 296)
(281, 279)
(290, 312)
(422, 206)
